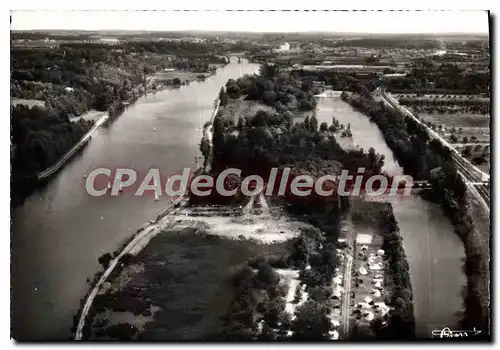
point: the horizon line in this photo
(245, 31)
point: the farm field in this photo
(469, 133)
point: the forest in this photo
(39, 137)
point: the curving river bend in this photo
(60, 231)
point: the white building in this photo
(284, 48)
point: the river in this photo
(60, 231)
(434, 251)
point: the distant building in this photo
(284, 48)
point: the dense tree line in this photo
(401, 321)
(275, 89)
(404, 42)
(432, 77)
(443, 105)
(39, 138)
(338, 80)
(182, 47)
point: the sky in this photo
(347, 22)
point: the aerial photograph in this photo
(249, 176)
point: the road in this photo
(52, 169)
(470, 173)
(346, 302)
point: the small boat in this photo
(154, 129)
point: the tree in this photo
(222, 97)
(233, 90)
(467, 151)
(241, 123)
(259, 119)
(313, 124)
(274, 312)
(299, 255)
(105, 259)
(323, 127)
(267, 276)
(348, 130)
(307, 123)
(312, 322)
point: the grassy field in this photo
(457, 120)
(468, 128)
(185, 278)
